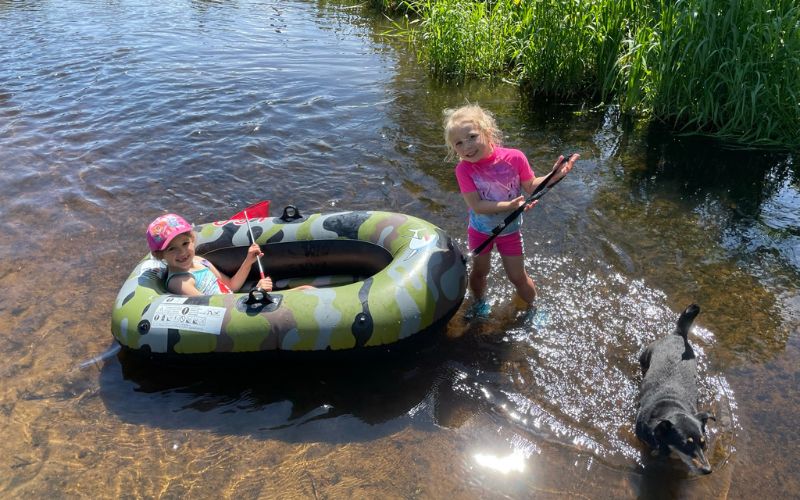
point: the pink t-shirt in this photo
(498, 177)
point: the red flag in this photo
(254, 211)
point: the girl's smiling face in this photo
(179, 254)
(469, 142)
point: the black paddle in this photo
(537, 193)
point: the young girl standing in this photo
(172, 240)
(491, 179)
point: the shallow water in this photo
(114, 112)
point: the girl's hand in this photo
(519, 201)
(516, 203)
(564, 169)
(253, 252)
(265, 284)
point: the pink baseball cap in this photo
(163, 229)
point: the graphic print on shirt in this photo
(498, 182)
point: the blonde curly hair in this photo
(470, 113)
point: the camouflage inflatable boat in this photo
(381, 279)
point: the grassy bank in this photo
(728, 68)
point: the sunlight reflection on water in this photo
(515, 462)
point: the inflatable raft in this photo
(380, 279)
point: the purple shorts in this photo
(507, 244)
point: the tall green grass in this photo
(463, 38)
(729, 68)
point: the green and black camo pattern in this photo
(422, 286)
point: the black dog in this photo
(668, 420)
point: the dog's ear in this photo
(644, 359)
(662, 428)
(703, 417)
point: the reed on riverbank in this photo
(728, 68)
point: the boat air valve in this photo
(258, 296)
(290, 213)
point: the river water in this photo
(112, 112)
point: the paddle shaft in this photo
(537, 193)
(253, 240)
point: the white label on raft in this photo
(207, 319)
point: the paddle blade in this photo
(254, 211)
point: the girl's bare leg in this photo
(479, 274)
(515, 270)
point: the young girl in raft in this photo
(172, 239)
(491, 179)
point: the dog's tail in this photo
(686, 320)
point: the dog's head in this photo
(684, 435)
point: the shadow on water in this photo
(291, 401)
(747, 179)
(301, 401)
(759, 191)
